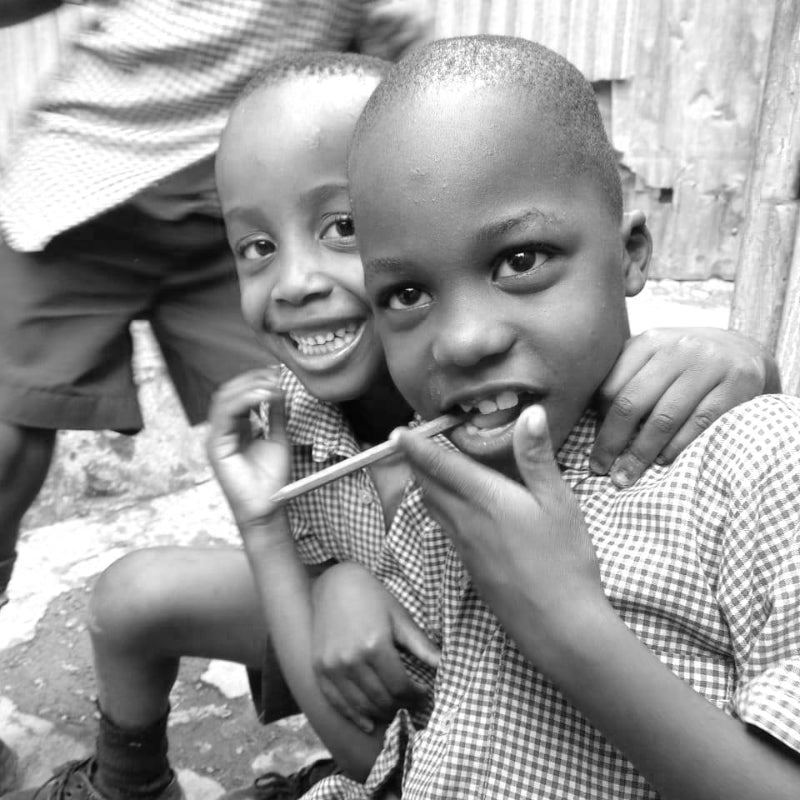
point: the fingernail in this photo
(366, 726)
(621, 477)
(597, 467)
(661, 461)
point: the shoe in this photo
(274, 786)
(9, 768)
(72, 781)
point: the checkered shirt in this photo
(701, 559)
(343, 521)
(144, 92)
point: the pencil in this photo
(362, 459)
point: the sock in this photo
(132, 763)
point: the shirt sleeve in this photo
(389, 765)
(760, 578)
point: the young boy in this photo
(282, 181)
(597, 642)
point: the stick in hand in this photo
(366, 457)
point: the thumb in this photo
(533, 450)
(410, 636)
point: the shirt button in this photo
(365, 497)
(442, 727)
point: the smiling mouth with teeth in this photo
(323, 342)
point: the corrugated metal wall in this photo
(598, 36)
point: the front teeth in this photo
(325, 341)
(505, 399)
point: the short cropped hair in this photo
(558, 89)
(320, 64)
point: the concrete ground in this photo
(108, 494)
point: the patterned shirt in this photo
(343, 521)
(143, 93)
(701, 559)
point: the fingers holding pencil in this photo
(250, 469)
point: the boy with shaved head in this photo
(597, 641)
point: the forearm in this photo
(681, 743)
(13, 12)
(285, 591)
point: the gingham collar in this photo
(573, 456)
(316, 424)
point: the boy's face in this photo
(281, 176)
(498, 278)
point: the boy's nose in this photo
(299, 280)
(464, 338)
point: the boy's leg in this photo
(153, 607)
(148, 610)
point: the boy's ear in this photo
(638, 249)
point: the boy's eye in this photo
(408, 297)
(255, 249)
(341, 229)
(519, 262)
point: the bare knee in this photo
(130, 606)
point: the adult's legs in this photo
(25, 455)
(197, 318)
(65, 354)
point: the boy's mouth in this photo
(491, 421)
(490, 413)
(323, 342)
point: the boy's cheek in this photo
(408, 374)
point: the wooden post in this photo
(788, 350)
(769, 260)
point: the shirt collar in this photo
(316, 424)
(574, 453)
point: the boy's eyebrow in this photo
(501, 226)
(325, 191)
(487, 232)
(380, 265)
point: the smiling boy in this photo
(598, 642)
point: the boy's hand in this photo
(392, 27)
(526, 547)
(249, 469)
(673, 382)
(357, 628)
